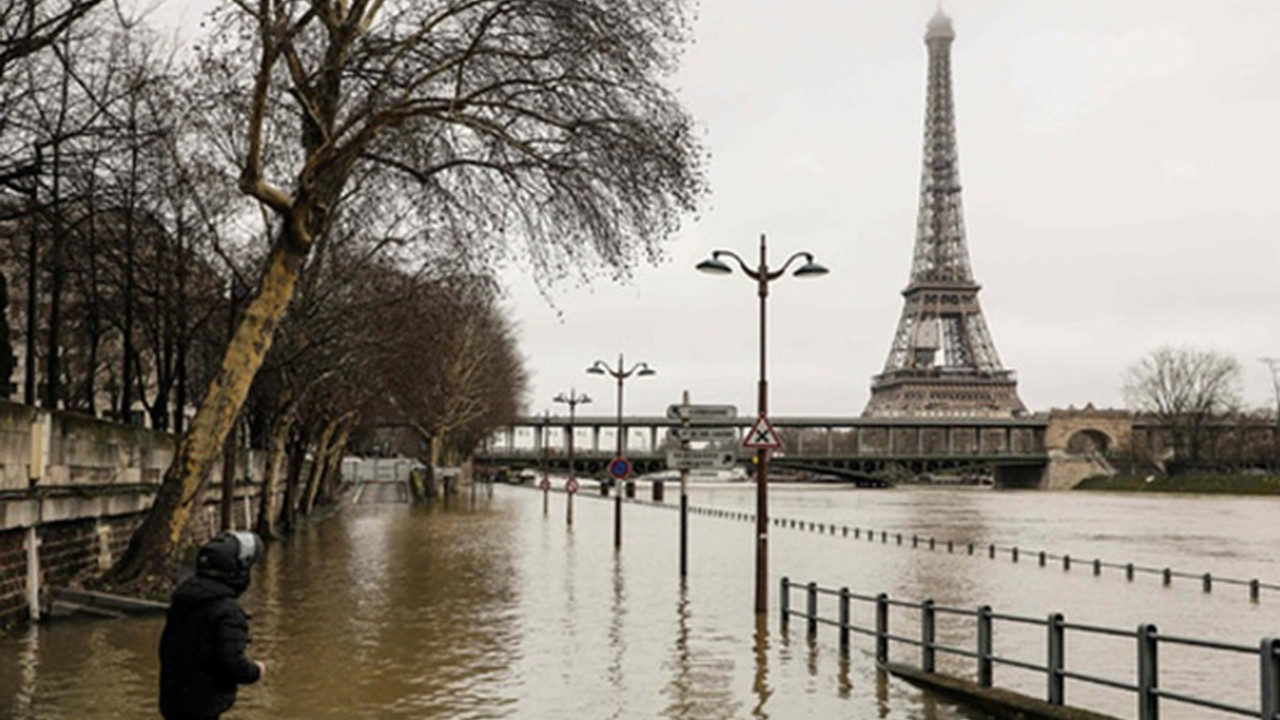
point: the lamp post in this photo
(573, 400)
(762, 276)
(641, 369)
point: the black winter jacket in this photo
(202, 648)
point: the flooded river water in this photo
(489, 608)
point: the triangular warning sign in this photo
(762, 436)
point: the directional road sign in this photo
(702, 413)
(700, 459)
(703, 432)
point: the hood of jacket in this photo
(196, 590)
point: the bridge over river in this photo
(1053, 450)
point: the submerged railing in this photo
(1145, 686)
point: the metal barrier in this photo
(993, 551)
(1146, 686)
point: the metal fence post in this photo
(1041, 558)
(984, 646)
(1128, 571)
(882, 628)
(1148, 673)
(1097, 566)
(991, 551)
(928, 654)
(1207, 582)
(811, 609)
(1057, 659)
(1253, 590)
(844, 620)
(1066, 562)
(1270, 652)
(1168, 576)
(785, 601)
(1015, 554)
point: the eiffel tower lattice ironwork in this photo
(943, 362)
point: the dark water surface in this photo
(491, 609)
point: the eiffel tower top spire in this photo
(940, 26)
(940, 254)
(942, 361)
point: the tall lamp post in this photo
(762, 276)
(573, 400)
(641, 369)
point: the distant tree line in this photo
(1197, 418)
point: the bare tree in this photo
(1185, 389)
(492, 121)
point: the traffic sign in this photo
(762, 436)
(571, 486)
(545, 484)
(702, 413)
(619, 468)
(703, 432)
(700, 459)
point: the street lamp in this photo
(600, 367)
(762, 276)
(573, 400)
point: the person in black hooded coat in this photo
(202, 648)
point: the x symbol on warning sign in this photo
(762, 436)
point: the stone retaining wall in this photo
(76, 488)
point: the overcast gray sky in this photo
(1119, 161)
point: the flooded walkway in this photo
(488, 608)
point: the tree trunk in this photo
(266, 524)
(319, 461)
(297, 455)
(333, 464)
(153, 549)
(437, 445)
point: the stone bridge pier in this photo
(1078, 443)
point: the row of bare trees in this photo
(302, 218)
(1198, 420)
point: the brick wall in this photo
(13, 577)
(77, 548)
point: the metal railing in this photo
(1145, 686)
(993, 551)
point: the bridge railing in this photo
(1146, 685)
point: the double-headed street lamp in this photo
(573, 400)
(763, 276)
(617, 372)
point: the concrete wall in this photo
(72, 491)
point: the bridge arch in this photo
(1089, 440)
(1089, 431)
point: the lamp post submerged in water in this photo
(573, 400)
(762, 276)
(640, 369)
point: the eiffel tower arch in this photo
(943, 362)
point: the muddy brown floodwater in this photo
(491, 609)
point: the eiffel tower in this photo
(943, 362)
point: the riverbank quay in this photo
(1237, 484)
(73, 489)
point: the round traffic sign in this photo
(571, 486)
(544, 484)
(620, 468)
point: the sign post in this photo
(570, 489)
(684, 496)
